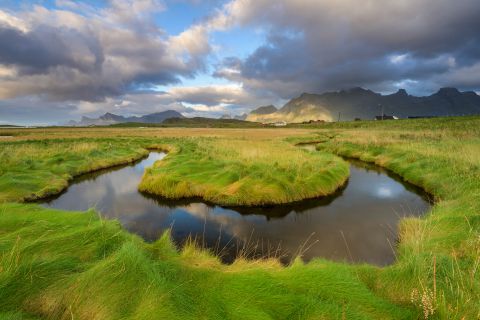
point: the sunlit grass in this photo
(63, 265)
(438, 256)
(244, 172)
(33, 169)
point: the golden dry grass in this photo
(63, 133)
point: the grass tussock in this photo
(240, 172)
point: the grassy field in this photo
(229, 171)
(33, 169)
(244, 172)
(196, 122)
(63, 265)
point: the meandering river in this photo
(356, 224)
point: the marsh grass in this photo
(67, 265)
(244, 172)
(30, 170)
(60, 265)
(225, 171)
(438, 256)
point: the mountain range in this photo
(243, 116)
(110, 118)
(365, 104)
(355, 103)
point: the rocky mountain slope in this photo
(261, 114)
(366, 104)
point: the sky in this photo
(64, 59)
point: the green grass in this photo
(228, 171)
(196, 122)
(240, 172)
(33, 169)
(438, 258)
(63, 265)
(59, 264)
(9, 126)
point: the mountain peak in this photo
(470, 93)
(243, 116)
(357, 90)
(110, 116)
(265, 110)
(157, 117)
(304, 94)
(448, 91)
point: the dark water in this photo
(357, 224)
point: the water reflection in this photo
(358, 223)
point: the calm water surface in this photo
(357, 224)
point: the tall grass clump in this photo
(31, 170)
(240, 172)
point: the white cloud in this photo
(398, 58)
(12, 21)
(93, 54)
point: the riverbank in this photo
(237, 172)
(223, 171)
(438, 256)
(321, 226)
(31, 170)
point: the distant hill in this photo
(10, 126)
(237, 117)
(110, 119)
(208, 123)
(243, 116)
(366, 104)
(261, 114)
(196, 122)
(265, 110)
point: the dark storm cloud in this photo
(283, 54)
(316, 45)
(89, 55)
(45, 47)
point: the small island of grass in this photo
(233, 172)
